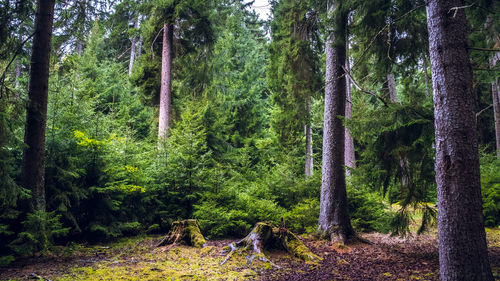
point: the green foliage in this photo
(40, 229)
(368, 212)
(490, 188)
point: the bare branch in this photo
(363, 90)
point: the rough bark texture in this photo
(265, 236)
(166, 82)
(185, 232)
(463, 251)
(132, 48)
(334, 220)
(391, 84)
(32, 171)
(349, 157)
(309, 148)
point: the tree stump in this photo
(185, 232)
(265, 236)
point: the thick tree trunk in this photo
(32, 171)
(463, 253)
(132, 48)
(166, 82)
(309, 148)
(334, 220)
(349, 157)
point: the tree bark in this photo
(18, 72)
(32, 171)
(132, 48)
(463, 253)
(166, 83)
(391, 84)
(309, 148)
(349, 157)
(334, 220)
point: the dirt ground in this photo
(387, 258)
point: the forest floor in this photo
(387, 258)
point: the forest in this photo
(250, 140)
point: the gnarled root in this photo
(186, 232)
(265, 236)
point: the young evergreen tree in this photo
(334, 220)
(463, 251)
(36, 112)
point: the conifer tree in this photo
(36, 113)
(463, 253)
(334, 220)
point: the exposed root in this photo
(185, 232)
(266, 236)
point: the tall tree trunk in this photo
(495, 93)
(18, 72)
(403, 160)
(139, 47)
(391, 84)
(132, 48)
(32, 171)
(166, 83)
(349, 157)
(463, 253)
(308, 132)
(334, 219)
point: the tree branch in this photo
(363, 90)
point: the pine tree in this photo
(463, 251)
(334, 220)
(36, 114)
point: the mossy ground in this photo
(388, 258)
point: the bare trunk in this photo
(334, 219)
(349, 156)
(309, 148)
(32, 171)
(166, 82)
(132, 48)
(403, 160)
(18, 72)
(139, 47)
(391, 84)
(463, 253)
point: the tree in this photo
(166, 82)
(36, 112)
(334, 220)
(463, 251)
